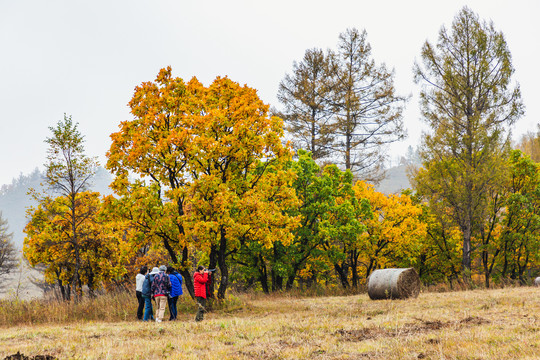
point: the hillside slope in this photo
(14, 198)
(395, 181)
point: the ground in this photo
(479, 324)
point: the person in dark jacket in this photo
(147, 294)
(176, 291)
(161, 288)
(200, 278)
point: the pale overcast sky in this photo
(84, 58)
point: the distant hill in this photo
(26, 282)
(395, 181)
(14, 198)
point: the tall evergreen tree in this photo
(467, 99)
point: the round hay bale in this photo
(537, 281)
(393, 284)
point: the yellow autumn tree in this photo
(208, 161)
(65, 232)
(394, 234)
(95, 256)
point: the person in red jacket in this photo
(200, 278)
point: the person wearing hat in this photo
(147, 294)
(200, 278)
(161, 287)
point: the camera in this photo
(210, 270)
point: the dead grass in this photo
(480, 324)
(113, 307)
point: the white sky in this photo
(84, 58)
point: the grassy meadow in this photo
(477, 324)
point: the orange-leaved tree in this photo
(208, 161)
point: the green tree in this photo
(440, 254)
(367, 111)
(329, 217)
(330, 222)
(467, 99)
(519, 242)
(342, 228)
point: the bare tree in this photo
(367, 110)
(343, 107)
(306, 112)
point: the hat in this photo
(154, 271)
(162, 268)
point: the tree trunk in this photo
(277, 281)
(91, 289)
(210, 286)
(63, 292)
(371, 267)
(263, 276)
(342, 272)
(77, 284)
(354, 268)
(466, 260)
(485, 256)
(223, 265)
(188, 278)
(290, 282)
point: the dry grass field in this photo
(479, 324)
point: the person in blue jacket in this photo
(147, 294)
(176, 291)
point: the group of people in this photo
(164, 286)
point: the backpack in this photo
(147, 285)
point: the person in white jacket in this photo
(139, 279)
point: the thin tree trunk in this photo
(290, 282)
(354, 267)
(263, 275)
(277, 281)
(466, 260)
(188, 279)
(485, 256)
